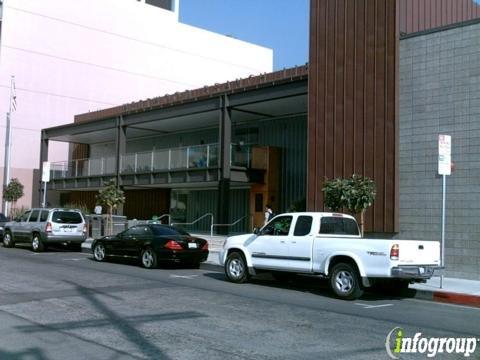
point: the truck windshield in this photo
(338, 226)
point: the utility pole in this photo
(8, 145)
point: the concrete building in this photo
(70, 57)
(440, 94)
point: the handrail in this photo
(232, 224)
(197, 220)
(162, 216)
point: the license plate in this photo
(192, 245)
(67, 230)
(421, 270)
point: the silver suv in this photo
(40, 227)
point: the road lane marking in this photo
(366, 306)
(190, 277)
(74, 259)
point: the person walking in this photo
(268, 213)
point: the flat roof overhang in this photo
(275, 100)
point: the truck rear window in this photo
(67, 217)
(338, 226)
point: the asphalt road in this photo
(64, 305)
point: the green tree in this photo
(355, 194)
(12, 192)
(333, 194)
(110, 197)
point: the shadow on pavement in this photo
(316, 285)
(30, 354)
(126, 325)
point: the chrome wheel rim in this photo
(236, 268)
(147, 258)
(35, 243)
(6, 239)
(344, 281)
(99, 252)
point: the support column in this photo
(43, 157)
(225, 140)
(121, 147)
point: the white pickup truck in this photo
(328, 245)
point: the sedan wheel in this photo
(7, 240)
(236, 268)
(37, 244)
(149, 258)
(99, 252)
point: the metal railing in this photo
(232, 224)
(197, 220)
(168, 216)
(181, 158)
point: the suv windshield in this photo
(67, 217)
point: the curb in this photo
(448, 297)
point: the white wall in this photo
(71, 57)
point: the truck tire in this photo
(8, 240)
(345, 281)
(37, 244)
(236, 268)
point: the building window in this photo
(164, 4)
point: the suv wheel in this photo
(8, 240)
(37, 244)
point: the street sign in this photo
(444, 154)
(46, 171)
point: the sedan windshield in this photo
(163, 230)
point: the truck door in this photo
(270, 248)
(300, 244)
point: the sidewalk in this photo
(453, 291)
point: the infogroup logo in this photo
(397, 343)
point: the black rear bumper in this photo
(186, 256)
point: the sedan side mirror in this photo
(17, 219)
(256, 230)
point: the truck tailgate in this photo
(418, 252)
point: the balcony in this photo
(197, 163)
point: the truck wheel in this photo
(37, 244)
(8, 240)
(345, 281)
(236, 268)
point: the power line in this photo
(131, 38)
(61, 96)
(96, 65)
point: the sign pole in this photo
(44, 204)
(45, 180)
(444, 169)
(442, 250)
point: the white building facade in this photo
(70, 57)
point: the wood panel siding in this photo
(143, 204)
(420, 15)
(353, 110)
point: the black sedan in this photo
(153, 244)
